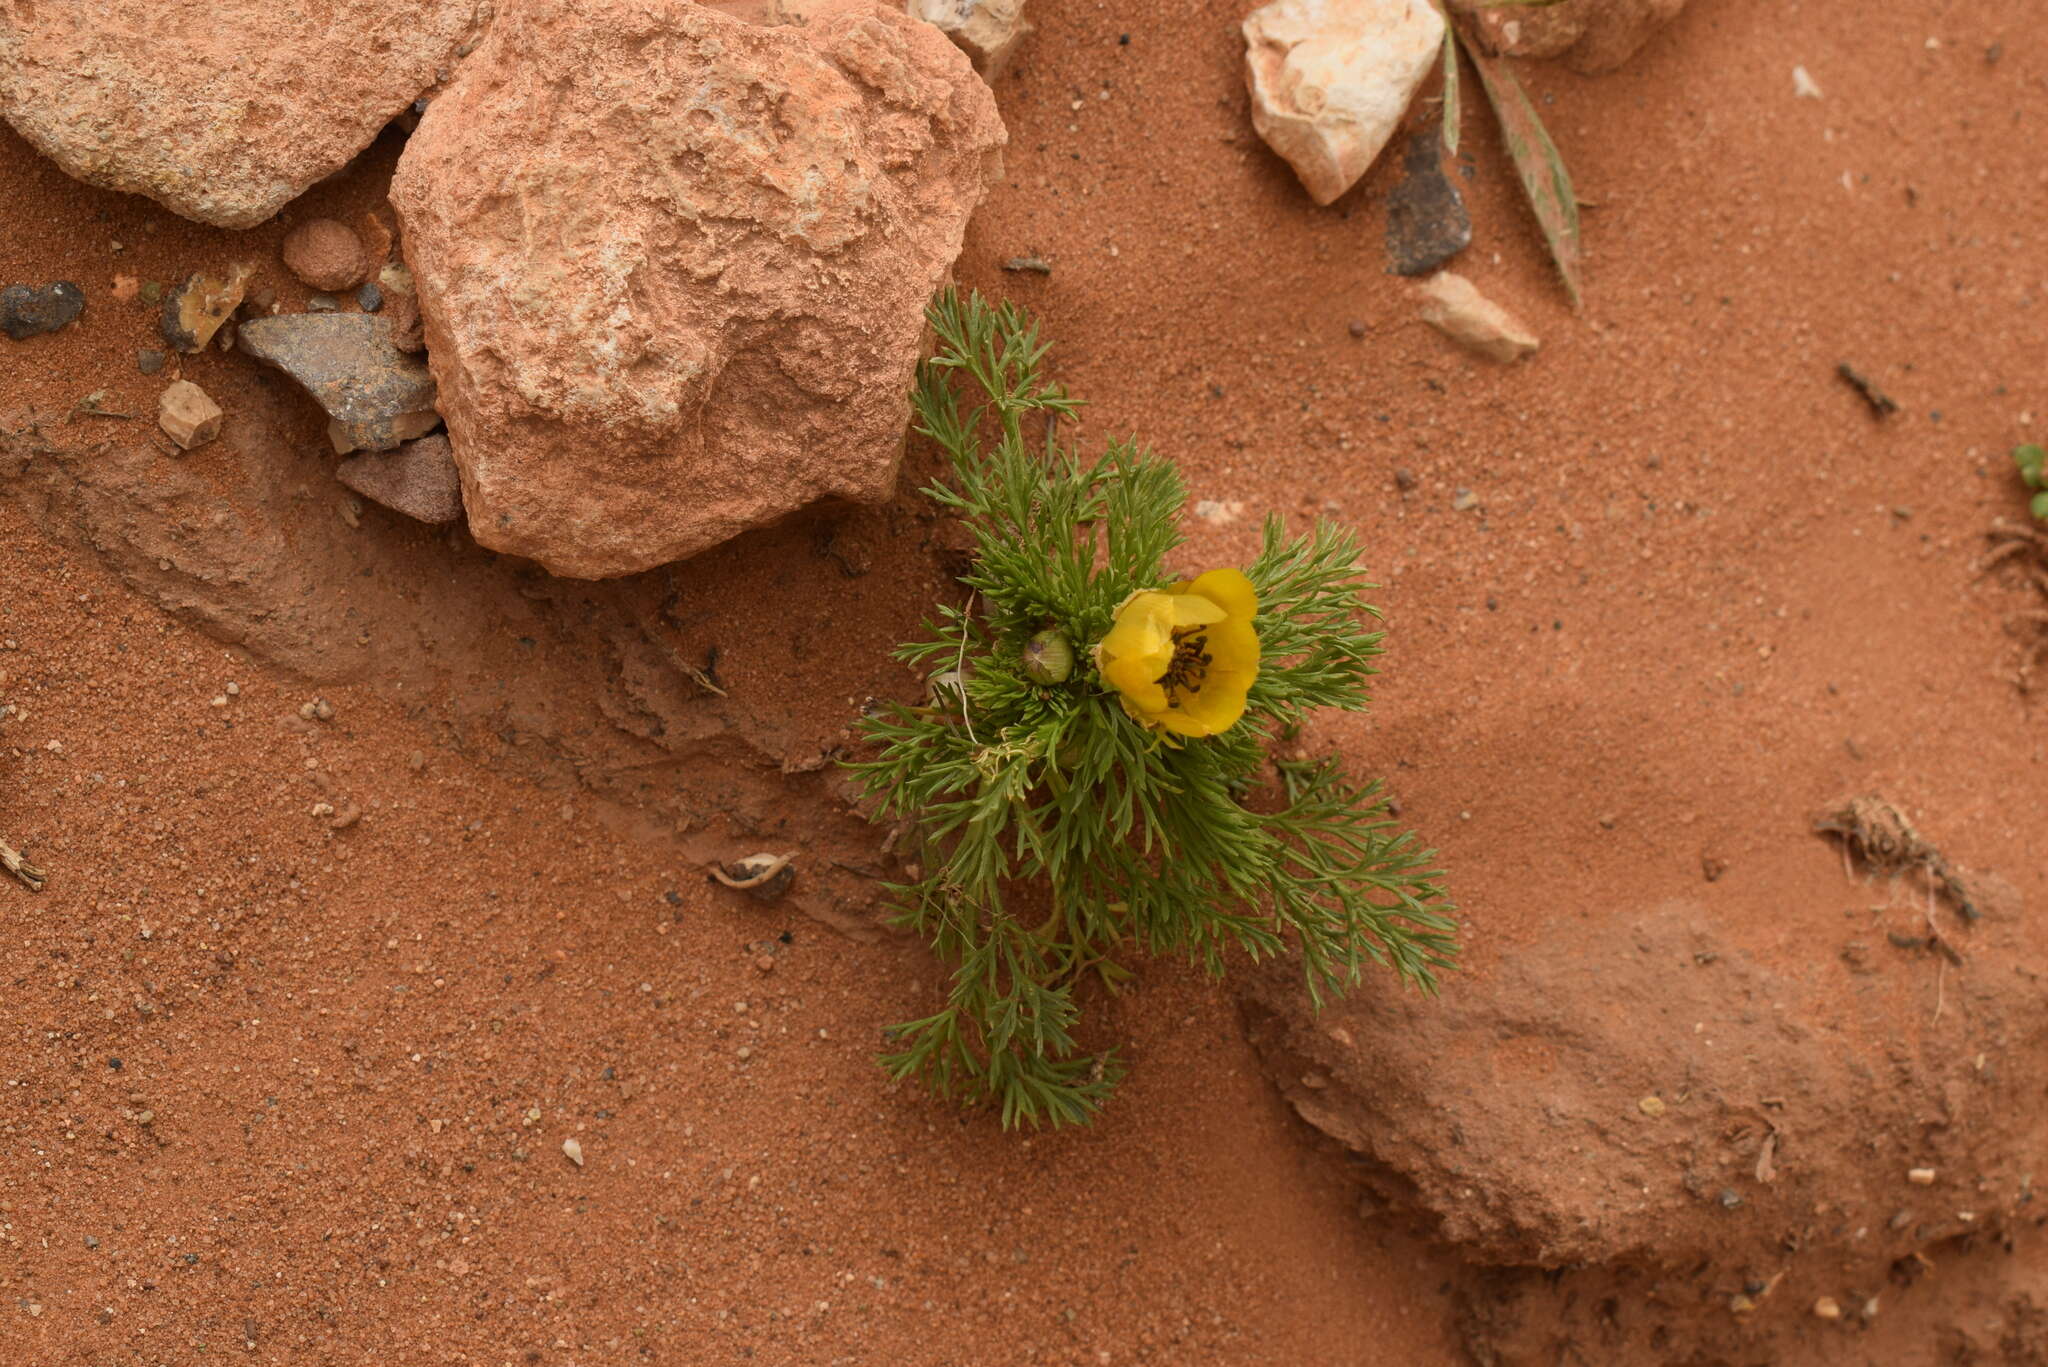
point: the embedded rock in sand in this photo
(1643, 1089)
(419, 479)
(673, 266)
(1330, 80)
(224, 111)
(1454, 306)
(1591, 35)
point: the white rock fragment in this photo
(187, 415)
(1920, 1177)
(1804, 87)
(573, 1151)
(1454, 306)
(1330, 79)
(988, 31)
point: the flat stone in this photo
(187, 415)
(1331, 79)
(673, 266)
(375, 395)
(29, 310)
(195, 310)
(419, 479)
(222, 111)
(1427, 223)
(1454, 306)
(149, 360)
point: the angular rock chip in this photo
(988, 31)
(419, 479)
(1454, 306)
(221, 112)
(376, 395)
(26, 311)
(195, 310)
(1330, 80)
(1427, 223)
(187, 415)
(1591, 35)
(673, 266)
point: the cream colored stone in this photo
(1454, 306)
(187, 415)
(1330, 80)
(988, 31)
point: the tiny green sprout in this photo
(1090, 782)
(2033, 462)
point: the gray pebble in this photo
(369, 298)
(26, 310)
(322, 303)
(148, 360)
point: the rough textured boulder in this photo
(225, 111)
(1591, 35)
(1646, 1092)
(1330, 80)
(673, 265)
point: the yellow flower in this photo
(1184, 657)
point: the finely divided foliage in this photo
(1053, 834)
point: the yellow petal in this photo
(1193, 610)
(1139, 648)
(1228, 589)
(1215, 709)
(1233, 645)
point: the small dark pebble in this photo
(1124, 40)
(1357, 328)
(1404, 479)
(115, 1064)
(1755, 1286)
(322, 303)
(672, 897)
(369, 298)
(1712, 868)
(26, 311)
(148, 360)
(1493, 605)
(1730, 1198)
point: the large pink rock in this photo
(222, 111)
(673, 265)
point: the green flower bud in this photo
(1049, 657)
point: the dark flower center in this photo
(1190, 662)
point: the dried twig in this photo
(28, 873)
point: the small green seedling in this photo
(2033, 462)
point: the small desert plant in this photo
(2033, 463)
(1087, 777)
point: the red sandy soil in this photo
(292, 1094)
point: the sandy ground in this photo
(294, 1094)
